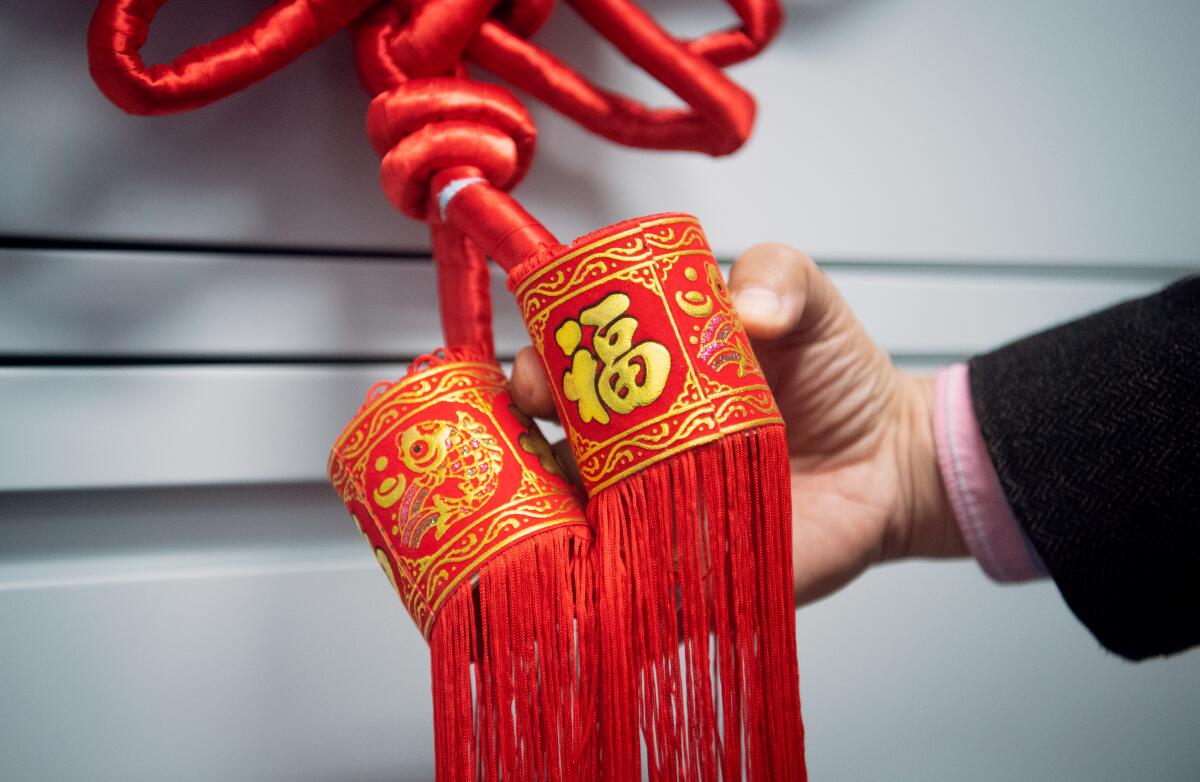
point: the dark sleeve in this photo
(1094, 428)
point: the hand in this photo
(865, 481)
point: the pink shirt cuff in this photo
(990, 530)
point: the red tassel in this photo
(450, 655)
(693, 547)
(510, 657)
(486, 545)
(683, 452)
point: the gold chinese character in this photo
(627, 375)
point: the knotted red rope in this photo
(412, 55)
(428, 117)
(677, 437)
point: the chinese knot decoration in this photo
(647, 628)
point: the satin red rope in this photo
(433, 126)
(210, 71)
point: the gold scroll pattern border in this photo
(522, 520)
(362, 432)
(705, 409)
(665, 437)
(424, 583)
(549, 283)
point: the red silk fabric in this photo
(409, 41)
(210, 71)
(462, 273)
(425, 126)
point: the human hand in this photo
(864, 474)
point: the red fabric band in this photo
(442, 472)
(644, 351)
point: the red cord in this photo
(213, 70)
(431, 123)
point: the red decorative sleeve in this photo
(644, 351)
(442, 472)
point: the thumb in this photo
(779, 290)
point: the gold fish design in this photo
(453, 469)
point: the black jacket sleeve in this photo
(1094, 429)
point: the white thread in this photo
(453, 188)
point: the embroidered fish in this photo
(455, 469)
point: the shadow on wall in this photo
(287, 161)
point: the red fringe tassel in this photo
(696, 549)
(525, 710)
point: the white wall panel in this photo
(246, 634)
(311, 675)
(72, 428)
(73, 303)
(1037, 129)
(152, 426)
(155, 424)
(155, 304)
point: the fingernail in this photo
(757, 302)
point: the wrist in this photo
(925, 524)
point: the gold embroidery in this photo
(694, 303)
(384, 409)
(439, 452)
(662, 438)
(631, 374)
(667, 240)
(547, 289)
(709, 351)
(452, 467)
(653, 438)
(640, 275)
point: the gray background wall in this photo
(181, 597)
